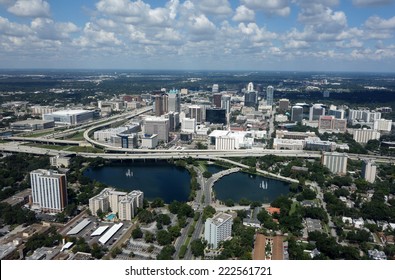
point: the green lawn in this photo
(43, 146)
(84, 149)
(39, 134)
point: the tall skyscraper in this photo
(215, 88)
(174, 101)
(369, 170)
(217, 100)
(316, 111)
(195, 112)
(217, 229)
(250, 99)
(336, 162)
(161, 104)
(225, 103)
(283, 104)
(49, 190)
(269, 95)
(214, 115)
(297, 113)
(250, 87)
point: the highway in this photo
(115, 120)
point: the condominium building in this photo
(369, 170)
(225, 103)
(383, 125)
(336, 162)
(125, 204)
(316, 111)
(363, 135)
(332, 123)
(217, 229)
(217, 100)
(49, 190)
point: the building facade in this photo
(159, 126)
(269, 95)
(369, 170)
(49, 190)
(336, 162)
(217, 229)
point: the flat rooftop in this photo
(220, 218)
(70, 112)
(99, 231)
(113, 230)
(79, 227)
(31, 121)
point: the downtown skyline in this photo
(275, 35)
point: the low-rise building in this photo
(31, 125)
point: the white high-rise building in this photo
(215, 88)
(174, 101)
(217, 229)
(49, 190)
(159, 126)
(316, 111)
(125, 204)
(336, 162)
(363, 135)
(250, 87)
(225, 103)
(383, 125)
(188, 125)
(269, 95)
(369, 170)
(128, 205)
(371, 117)
(195, 112)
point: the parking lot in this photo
(92, 226)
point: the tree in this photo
(208, 212)
(163, 219)
(116, 251)
(175, 231)
(164, 237)
(137, 233)
(149, 237)
(229, 202)
(100, 213)
(207, 174)
(145, 216)
(157, 202)
(244, 202)
(197, 248)
(166, 253)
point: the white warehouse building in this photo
(69, 117)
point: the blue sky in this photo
(296, 35)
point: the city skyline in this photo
(277, 35)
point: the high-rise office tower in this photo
(195, 112)
(250, 87)
(283, 104)
(316, 111)
(217, 100)
(49, 190)
(174, 101)
(269, 95)
(225, 103)
(215, 88)
(297, 113)
(161, 104)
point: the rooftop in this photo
(220, 218)
(70, 112)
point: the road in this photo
(323, 203)
(182, 238)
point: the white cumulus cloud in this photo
(244, 14)
(30, 8)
